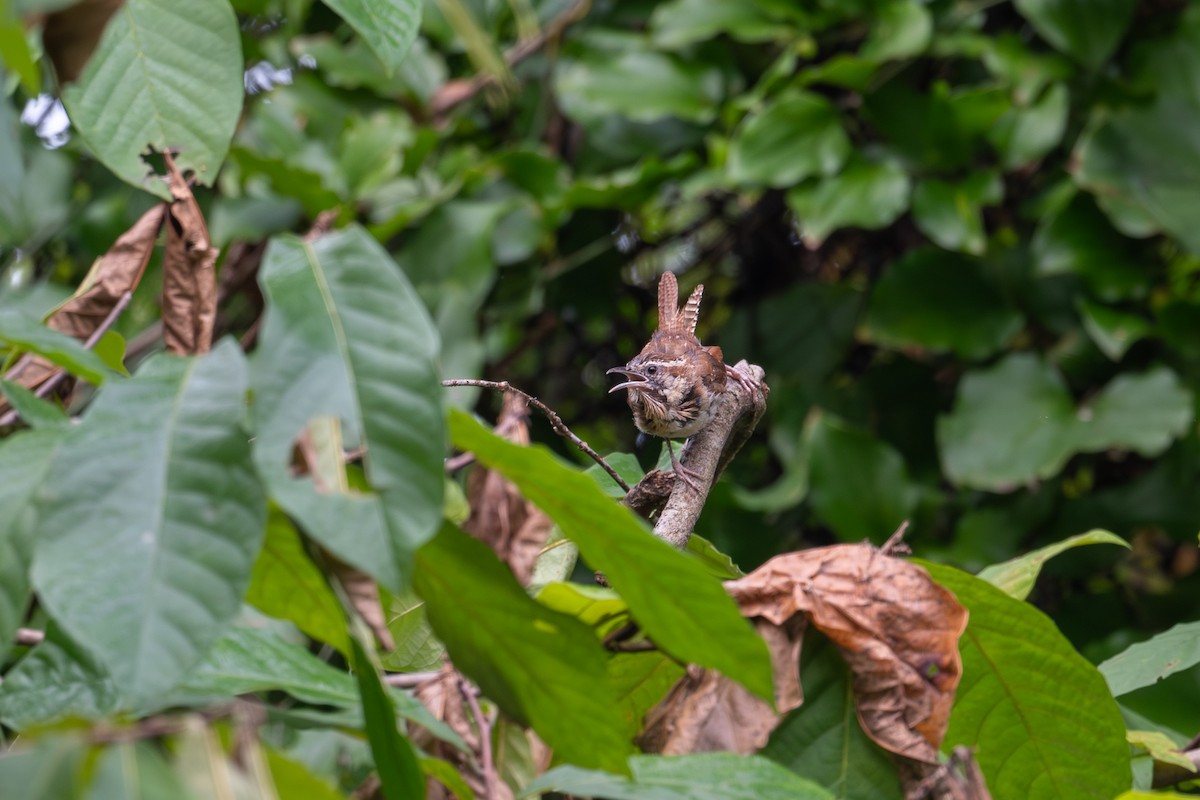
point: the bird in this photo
(674, 383)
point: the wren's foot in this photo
(743, 380)
(688, 476)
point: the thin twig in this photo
(556, 422)
(485, 739)
(407, 680)
(54, 380)
(895, 546)
(455, 93)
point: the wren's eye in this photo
(651, 370)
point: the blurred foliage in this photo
(960, 236)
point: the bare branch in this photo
(485, 738)
(556, 422)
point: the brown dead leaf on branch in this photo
(189, 304)
(895, 627)
(104, 290)
(500, 517)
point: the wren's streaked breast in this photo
(674, 383)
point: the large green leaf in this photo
(24, 462)
(679, 23)
(345, 335)
(1017, 576)
(152, 517)
(47, 771)
(864, 195)
(133, 771)
(34, 411)
(1139, 160)
(1089, 30)
(1148, 662)
(1011, 423)
(543, 668)
(388, 26)
(859, 485)
(823, 739)
(399, 773)
(680, 606)
(165, 75)
(941, 301)
(28, 334)
(1078, 239)
(701, 776)
(286, 584)
(1038, 715)
(795, 136)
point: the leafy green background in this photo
(959, 236)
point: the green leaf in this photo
(293, 779)
(950, 213)
(1026, 133)
(1113, 331)
(902, 29)
(718, 564)
(247, 660)
(346, 336)
(286, 584)
(24, 461)
(145, 561)
(1139, 159)
(1079, 240)
(28, 334)
(133, 771)
(1031, 738)
(47, 771)
(1161, 747)
(823, 740)
(541, 667)
(625, 464)
(1017, 576)
(684, 610)
(396, 761)
(1011, 423)
(679, 23)
(641, 681)
(796, 136)
(165, 75)
(860, 485)
(1148, 662)
(1143, 413)
(389, 27)
(417, 649)
(591, 82)
(943, 302)
(702, 776)
(596, 606)
(15, 52)
(865, 195)
(1089, 30)
(56, 680)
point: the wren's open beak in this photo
(637, 379)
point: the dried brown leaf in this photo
(707, 712)
(189, 274)
(111, 277)
(500, 517)
(897, 629)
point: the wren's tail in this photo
(671, 319)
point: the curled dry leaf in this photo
(444, 699)
(189, 276)
(897, 629)
(113, 275)
(500, 517)
(707, 712)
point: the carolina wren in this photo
(674, 383)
